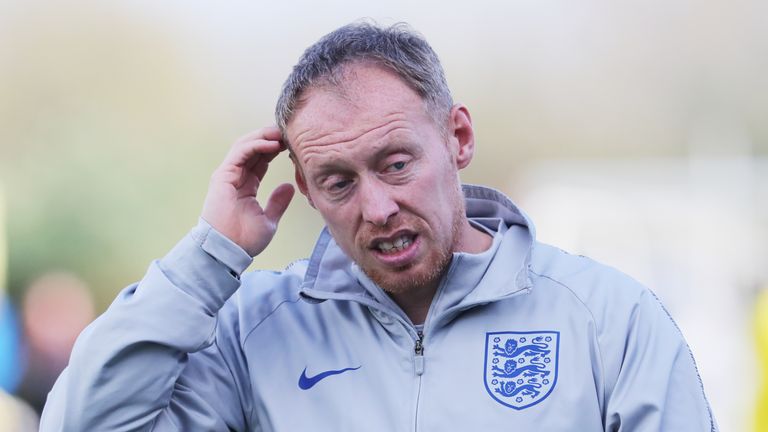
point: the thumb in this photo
(278, 202)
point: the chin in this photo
(412, 279)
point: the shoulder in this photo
(605, 291)
(619, 306)
(625, 313)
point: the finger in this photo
(272, 133)
(278, 202)
(264, 159)
(246, 153)
(242, 151)
(258, 166)
(269, 133)
(251, 176)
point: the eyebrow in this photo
(396, 145)
(327, 169)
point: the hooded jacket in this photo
(521, 337)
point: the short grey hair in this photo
(398, 48)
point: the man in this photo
(424, 306)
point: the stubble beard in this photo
(430, 275)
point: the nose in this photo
(377, 203)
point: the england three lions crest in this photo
(521, 367)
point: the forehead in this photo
(368, 98)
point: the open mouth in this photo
(392, 245)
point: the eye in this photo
(397, 166)
(339, 185)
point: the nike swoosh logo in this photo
(306, 383)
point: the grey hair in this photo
(398, 48)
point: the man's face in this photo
(383, 176)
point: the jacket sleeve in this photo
(655, 385)
(154, 360)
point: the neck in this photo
(473, 240)
(415, 303)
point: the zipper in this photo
(418, 350)
(418, 345)
(418, 368)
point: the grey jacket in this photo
(522, 337)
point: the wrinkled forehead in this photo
(357, 93)
(367, 98)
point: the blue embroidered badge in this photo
(521, 367)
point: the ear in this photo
(301, 182)
(461, 135)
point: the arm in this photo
(162, 357)
(658, 387)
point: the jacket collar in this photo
(332, 275)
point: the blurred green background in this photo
(114, 114)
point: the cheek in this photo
(442, 191)
(339, 221)
(328, 215)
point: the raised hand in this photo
(231, 206)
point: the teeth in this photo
(396, 246)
